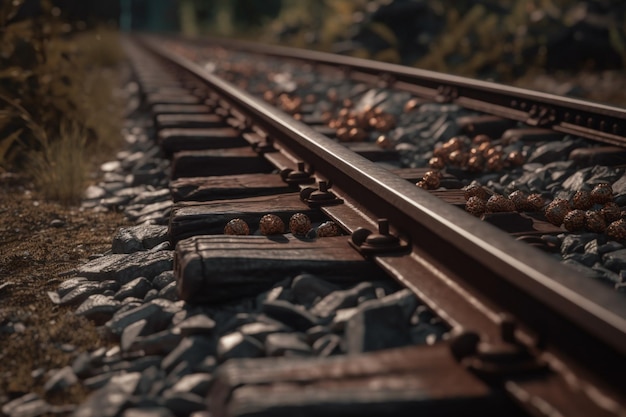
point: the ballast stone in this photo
(197, 383)
(184, 403)
(77, 295)
(98, 307)
(280, 344)
(260, 330)
(196, 324)
(343, 299)
(294, 316)
(147, 412)
(126, 267)
(136, 288)
(238, 345)
(112, 398)
(616, 260)
(131, 333)
(61, 379)
(169, 292)
(552, 151)
(377, 326)
(307, 288)
(160, 343)
(158, 317)
(163, 279)
(191, 350)
(27, 405)
(157, 212)
(138, 238)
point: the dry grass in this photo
(99, 52)
(90, 129)
(60, 168)
(59, 109)
(58, 115)
(99, 48)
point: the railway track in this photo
(484, 297)
(318, 278)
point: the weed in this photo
(57, 106)
(59, 169)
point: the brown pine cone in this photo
(582, 200)
(574, 220)
(602, 193)
(557, 210)
(520, 199)
(535, 202)
(475, 190)
(617, 230)
(498, 203)
(611, 212)
(476, 206)
(594, 221)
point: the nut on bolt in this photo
(264, 146)
(367, 242)
(321, 196)
(298, 176)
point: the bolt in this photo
(382, 238)
(508, 325)
(464, 344)
(383, 226)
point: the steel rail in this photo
(575, 316)
(595, 121)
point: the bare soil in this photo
(35, 257)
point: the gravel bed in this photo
(547, 169)
(162, 352)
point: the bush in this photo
(56, 97)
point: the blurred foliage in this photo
(242, 18)
(497, 39)
(51, 83)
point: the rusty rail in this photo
(566, 115)
(489, 288)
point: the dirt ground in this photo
(36, 253)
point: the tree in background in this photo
(227, 17)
